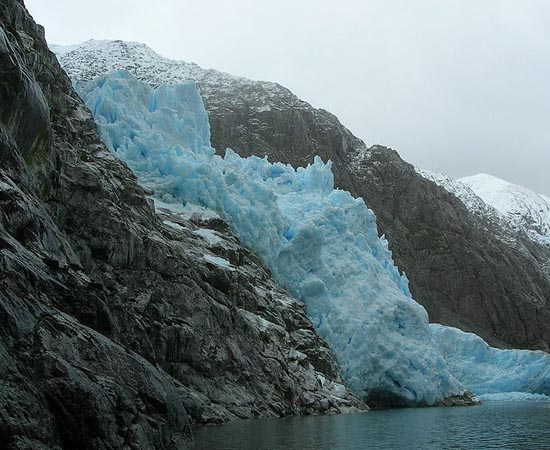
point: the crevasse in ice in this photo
(320, 243)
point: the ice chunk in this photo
(174, 225)
(209, 236)
(513, 397)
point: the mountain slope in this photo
(458, 270)
(516, 215)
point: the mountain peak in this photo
(484, 179)
(92, 58)
(115, 53)
(522, 206)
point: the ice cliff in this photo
(319, 242)
(493, 373)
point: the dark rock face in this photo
(458, 270)
(116, 331)
(466, 399)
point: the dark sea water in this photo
(494, 425)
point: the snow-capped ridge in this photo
(461, 190)
(523, 207)
(90, 59)
(511, 207)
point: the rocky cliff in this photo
(118, 330)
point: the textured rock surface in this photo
(113, 321)
(522, 219)
(459, 271)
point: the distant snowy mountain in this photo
(463, 192)
(524, 208)
(514, 214)
(512, 207)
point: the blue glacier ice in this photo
(319, 242)
(493, 374)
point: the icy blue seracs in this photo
(320, 243)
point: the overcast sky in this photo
(456, 86)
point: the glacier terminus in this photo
(321, 244)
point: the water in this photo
(494, 425)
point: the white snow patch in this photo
(217, 261)
(321, 379)
(174, 225)
(209, 235)
(176, 208)
(258, 320)
(339, 389)
(202, 212)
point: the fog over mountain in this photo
(456, 87)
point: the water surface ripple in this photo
(494, 425)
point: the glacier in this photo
(319, 242)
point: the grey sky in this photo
(456, 86)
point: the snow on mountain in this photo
(472, 201)
(148, 66)
(524, 208)
(508, 207)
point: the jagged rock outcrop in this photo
(119, 330)
(458, 269)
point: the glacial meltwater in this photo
(493, 425)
